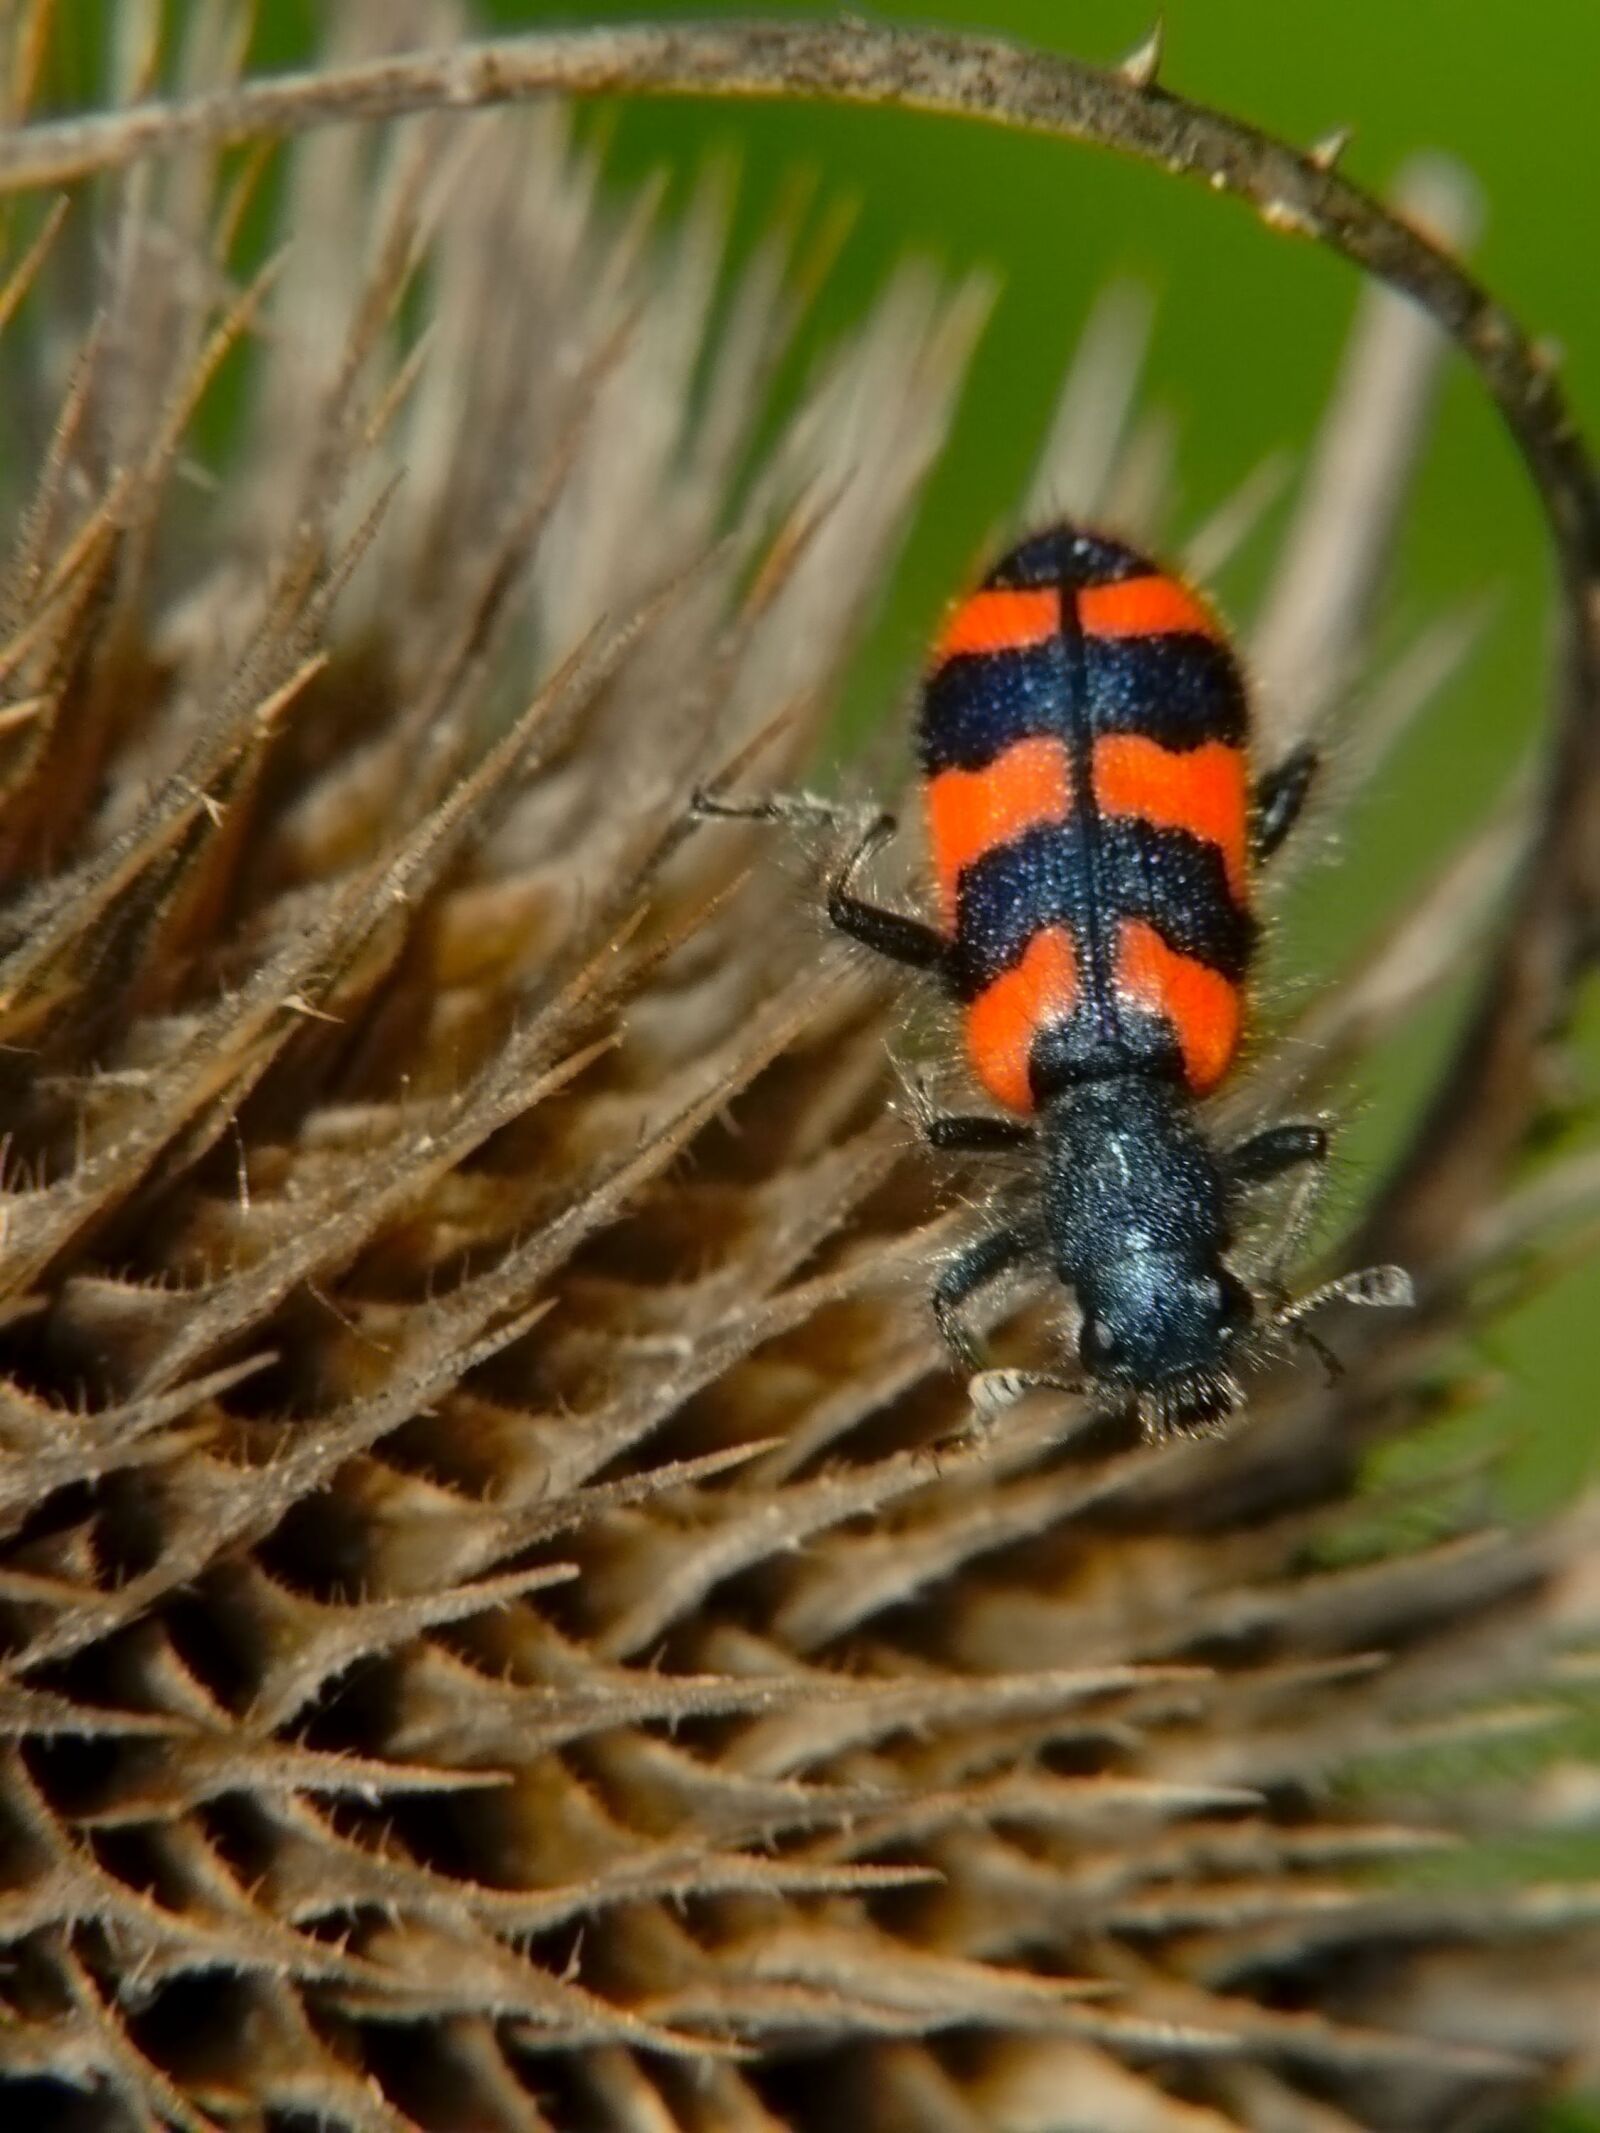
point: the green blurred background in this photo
(1247, 338)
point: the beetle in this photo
(1095, 831)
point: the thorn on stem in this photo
(1324, 154)
(1143, 63)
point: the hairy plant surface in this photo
(502, 1627)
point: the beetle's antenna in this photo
(1380, 1287)
(993, 1391)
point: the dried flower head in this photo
(502, 1628)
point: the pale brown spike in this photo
(60, 914)
(1077, 466)
(107, 1440)
(328, 1240)
(102, 2049)
(319, 1642)
(37, 531)
(22, 276)
(1142, 482)
(27, 35)
(1225, 531)
(731, 1331)
(1099, 1812)
(626, 1622)
(1412, 958)
(665, 1780)
(484, 1971)
(1261, 2099)
(1018, 2081)
(1203, 2027)
(1313, 629)
(836, 1976)
(203, 1768)
(1541, 1231)
(871, 1575)
(795, 1739)
(1402, 692)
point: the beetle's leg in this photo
(1279, 796)
(979, 1134)
(894, 934)
(1276, 1149)
(982, 1261)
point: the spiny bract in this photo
(496, 1634)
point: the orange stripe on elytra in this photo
(1205, 790)
(1205, 1009)
(972, 811)
(1000, 622)
(1006, 1017)
(1144, 607)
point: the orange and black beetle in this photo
(1095, 828)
